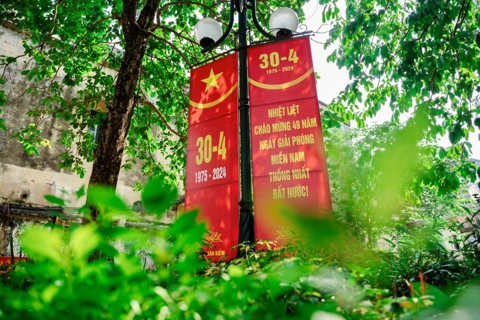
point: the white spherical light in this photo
(474, 190)
(207, 31)
(283, 22)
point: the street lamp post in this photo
(208, 34)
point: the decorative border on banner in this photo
(213, 103)
(281, 85)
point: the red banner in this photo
(288, 156)
(212, 153)
(8, 260)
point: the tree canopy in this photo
(410, 55)
(420, 59)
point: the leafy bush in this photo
(81, 273)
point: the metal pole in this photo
(246, 232)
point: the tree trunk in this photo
(108, 155)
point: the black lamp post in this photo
(208, 33)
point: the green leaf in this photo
(158, 196)
(105, 199)
(41, 243)
(440, 298)
(83, 241)
(81, 192)
(454, 43)
(183, 223)
(442, 153)
(440, 62)
(55, 200)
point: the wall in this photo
(28, 178)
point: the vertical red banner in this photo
(212, 153)
(288, 156)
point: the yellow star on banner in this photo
(211, 81)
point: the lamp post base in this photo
(247, 231)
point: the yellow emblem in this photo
(283, 234)
(211, 81)
(213, 237)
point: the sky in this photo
(333, 80)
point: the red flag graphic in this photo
(212, 153)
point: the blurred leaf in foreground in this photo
(158, 196)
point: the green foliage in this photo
(409, 56)
(157, 196)
(418, 253)
(383, 177)
(159, 273)
(426, 201)
(30, 138)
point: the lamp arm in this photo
(253, 7)
(226, 33)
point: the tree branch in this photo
(171, 45)
(426, 29)
(465, 13)
(19, 56)
(149, 104)
(178, 34)
(147, 15)
(54, 22)
(129, 11)
(154, 65)
(180, 3)
(458, 17)
(381, 19)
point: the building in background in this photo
(25, 179)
